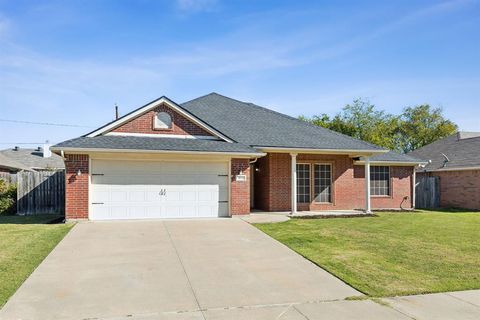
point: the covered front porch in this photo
(311, 184)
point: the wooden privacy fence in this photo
(41, 192)
(427, 192)
(9, 177)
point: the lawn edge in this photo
(34, 269)
(319, 266)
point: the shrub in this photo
(8, 197)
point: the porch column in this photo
(414, 186)
(368, 208)
(294, 182)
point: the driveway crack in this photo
(183, 268)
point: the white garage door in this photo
(158, 189)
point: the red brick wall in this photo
(273, 185)
(240, 190)
(459, 189)
(76, 189)
(400, 187)
(144, 124)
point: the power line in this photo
(46, 123)
(16, 143)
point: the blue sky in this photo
(71, 61)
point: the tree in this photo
(363, 121)
(414, 128)
(422, 125)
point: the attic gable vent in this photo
(162, 120)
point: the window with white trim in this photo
(380, 180)
(322, 183)
(163, 120)
(303, 183)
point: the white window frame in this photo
(331, 182)
(309, 182)
(372, 179)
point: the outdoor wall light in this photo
(79, 172)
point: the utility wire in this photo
(17, 143)
(46, 123)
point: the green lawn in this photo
(24, 243)
(392, 254)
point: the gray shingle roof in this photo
(392, 156)
(253, 125)
(247, 124)
(148, 143)
(31, 158)
(11, 164)
(462, 150)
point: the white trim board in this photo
(160, 135)
(152, 105)
(389, 163)
(451, 169)
(320, 151)
(94, 150)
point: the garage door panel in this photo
(142, 190)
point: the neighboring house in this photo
(39, 159)
(216, 156)
(8, 165)
(456, 161)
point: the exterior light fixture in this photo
(79, 172)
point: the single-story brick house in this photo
(215, 156)
(455, 160)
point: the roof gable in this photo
(162, 101)
(144, 124)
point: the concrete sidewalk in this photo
(438, 306)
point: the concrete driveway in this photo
(183, 269)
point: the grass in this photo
(392, 254)
(24, 243)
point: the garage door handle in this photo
(97, 203)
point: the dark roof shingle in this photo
(253, 125)
(33, 159)
(462, 150)
(392, 156)
(153, 143)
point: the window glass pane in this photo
(303, 183)
(380, 180)
(322, 182)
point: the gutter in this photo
(320, 151)
(452, 169)
(106, 150)
(392, 163)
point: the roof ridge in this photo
(290, 117)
